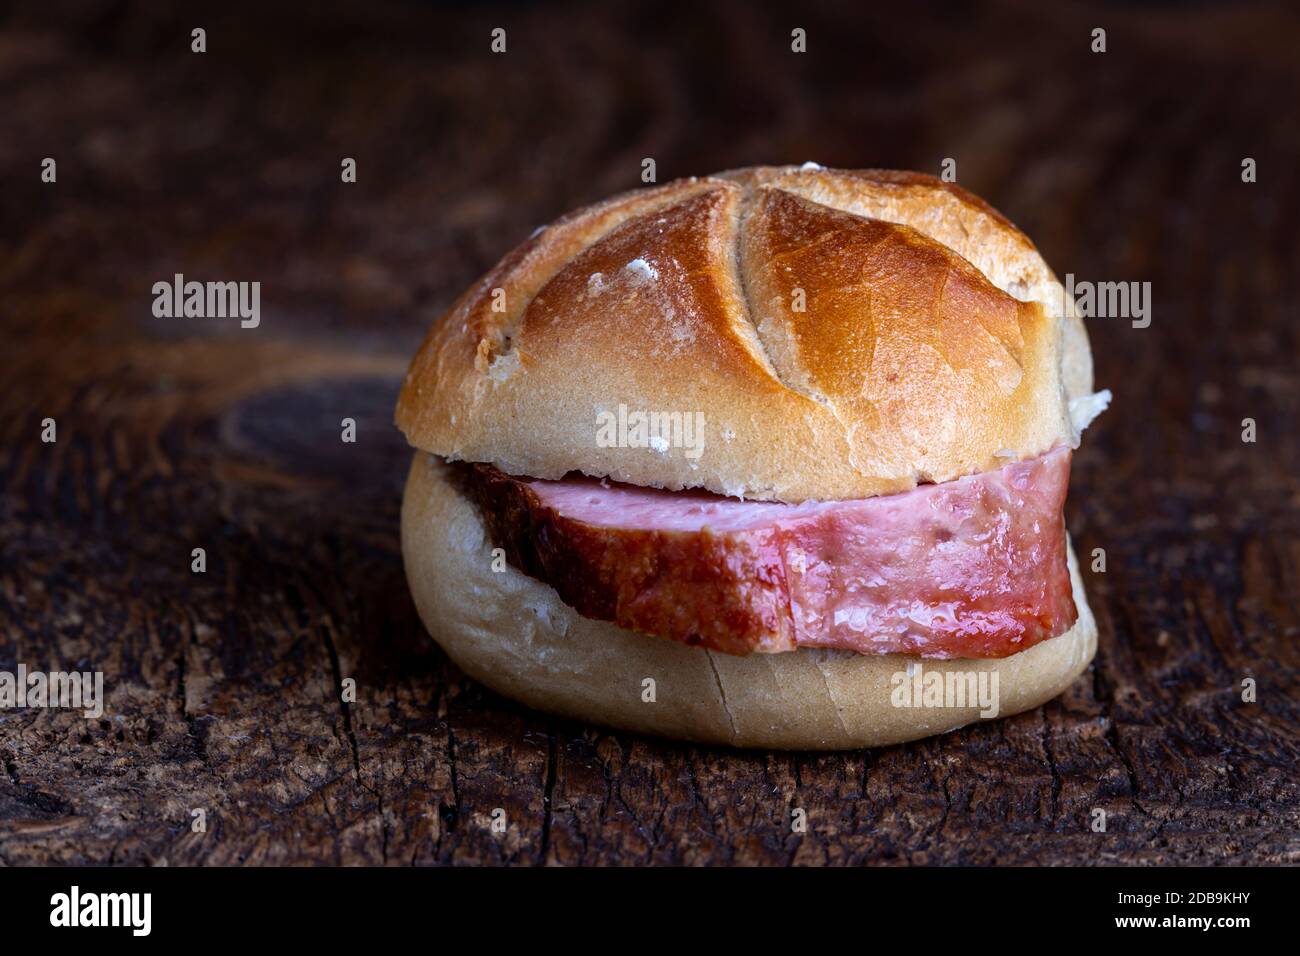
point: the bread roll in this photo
(832, 335)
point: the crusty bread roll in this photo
(515, 635)
(844, 334)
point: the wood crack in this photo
(547, 795)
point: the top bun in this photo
(843, 333)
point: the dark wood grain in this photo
(224, 687)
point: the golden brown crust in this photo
(516, 635)
(908, 361)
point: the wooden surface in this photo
(224, 688)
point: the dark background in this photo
(223, 688)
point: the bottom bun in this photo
(518, 637)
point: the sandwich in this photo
(773, 458)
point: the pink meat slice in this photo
(969, 568)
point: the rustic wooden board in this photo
(223, 688)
